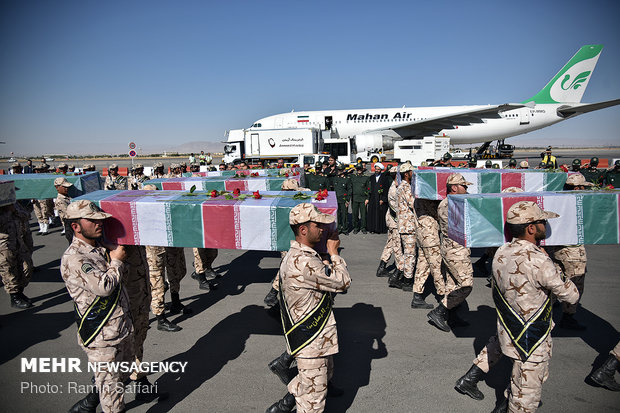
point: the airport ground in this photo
(391, 359)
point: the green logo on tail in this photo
(582, 77)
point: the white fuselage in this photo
(348, 123)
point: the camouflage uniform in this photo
(571, 262)
(88, 274)
(406, 227)
(136, 181)
(156, 260)
(304, 279)
(429, 257)
(489, 355)
(203, 259)
(12, 274)
(61, 203)
(392, 246)
(117, 182)
(43, 210)
(25, 245)
(139, 292)
(526, 276)
(175, 267)
(456, 263)
(616, 351)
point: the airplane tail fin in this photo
(569, 84)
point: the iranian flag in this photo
(303, 119)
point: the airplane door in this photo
(254, 150)
(328, 123)
(524, 116)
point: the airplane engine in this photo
(374, 142)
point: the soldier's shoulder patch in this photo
(86, 268)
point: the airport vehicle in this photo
(417, 151)
(499, 150)
(557, 101)
(255, 146)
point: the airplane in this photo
(559, 100)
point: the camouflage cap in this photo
(393, 169)
(138, 166)
(306, 212)
(62, 182)
(290, 185)
(86, 166)
(71, 167)
(578, 179)
(524, 164)
(457, 179)
(149, 187)
(175, 166)
(512, 189)
(113, 166)
(406, 167)
(158, 165)
(62, 166)
(526, 212)
(85, 209)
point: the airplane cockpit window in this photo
(257, 125)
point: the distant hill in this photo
(187, 147)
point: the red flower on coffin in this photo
(213, 193)
(257, 195)
(236, 192)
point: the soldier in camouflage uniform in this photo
(306, 287)
(14, 278)
(342, 187)
(392, 246)
(137, 179)
(25, 245)
(571, 261)
(524, 279)
(203, 267)
(429, 252)
(591, 173)
(114, 180)
(459, 274)
(158, 171)
(43, 208)
(92, 274)
(62, 200)
(604, 375)
(359, 199)
(406, 229)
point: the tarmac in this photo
(391, 359)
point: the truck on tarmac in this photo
(421, 150)
(257, 145)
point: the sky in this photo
(85, 76)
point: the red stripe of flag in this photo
(511, 179)
(232, 184)
(119, 227)
(219, 225)
(507, 202)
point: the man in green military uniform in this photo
(342, 186)
(612, 176)
(576, 166)
(359, 189)
(592, 173)
(317, 181)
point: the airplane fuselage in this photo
(348, 123)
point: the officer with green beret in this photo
(592, 173)
(343, 187)
(360, 183)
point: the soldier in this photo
(406, 230)
(306, 284)
(12, 272)
(43, 208)
(571, 260)
(63, 168)
(114, 180)
(576, 165)
(524, 280)
(472, 162)
(317, 181)
(591, 172)
(62, 200)
(158, 170)
(136, 181)
(392, 246)
(203, 267)
(342, 185)
(175, 171)
(16, 167)
(524, 165)
(444, 161)
(429, 251)
(488, 164)
(459, 273)
(25, 245)
(604, 375)
(549, 160)
(92, 274)
(612, 175)
(71, 168)
(28, 168)
(359, 199)
(194, 167)
(512, 163)
(136, 283)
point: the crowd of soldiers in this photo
(381, 202)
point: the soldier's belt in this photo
(301, 334)
(526, 335)
(96, 316)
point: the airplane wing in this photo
(567, 111)
(431, 126)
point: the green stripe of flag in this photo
(490, 183)
(600, 214)
(182, 226)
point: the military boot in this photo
(210, 274)
(407, 284)
(281, 365)
(604, 375)
(468, 384)
(44, 229)
(381, 271)
(271, 298)
(203, 284)
(146, 392)
(176, 307)
(18, 302)
(287, 404)
(568, 322)
(418, 302)
(194, 275)
(87, 405)
(396, 280)
(163, 324)
(439, 317)
(501, 406)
